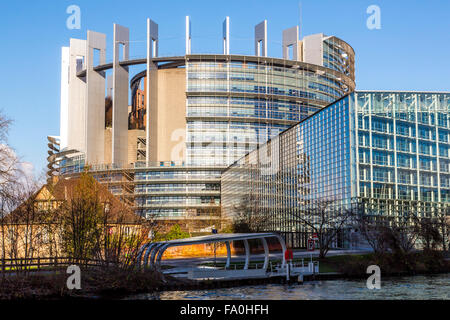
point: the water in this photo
(409, 288)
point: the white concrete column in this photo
(120, 97)
(290, 38)
(76, 111)
(261, 38)
(283, 248)
(227, 265)
(247, 254)
(64, 106)
(152, 52)
(95, 99)
(313, 49)
(266, 253)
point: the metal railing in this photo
(46, 263)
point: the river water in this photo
(409, 288)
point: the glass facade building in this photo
(388, 152)
(337, 55)
(235, 104)
(198, 113)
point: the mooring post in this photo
(227, 265)
(287, 271)
(247, 254)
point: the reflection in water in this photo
(417, 287)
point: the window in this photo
(380, 158)
(443, 151)
(380, 142)
(424, 148)
(404, 177)
(402, 130)
(380, 175)
(379, 125)
(424, 133)
(404, 193)
(442, 120)
(402, 145)
(403, 161)
(443, 136)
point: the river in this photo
(409, 288)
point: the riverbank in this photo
(391, 264)
(111, 283)
(96, 283)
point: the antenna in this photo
(300, 18)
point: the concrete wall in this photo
(95, 99)
(261, 36)
(167, 116)
(64, 116)
(313, 49)
(76, 129)
(108, 145)
(120, 97)
(290, 38)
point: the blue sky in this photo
(411, 51)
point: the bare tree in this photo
(400, 235)
(397, 232)
(442, 222)
(428, 233)
(248, 217)
(123, 236)
(8, 161)
(372, 231)
(17, 213)
(326, 219)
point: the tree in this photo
(326, 219)
(397, 232)
(174, 233)
(248, 217)
(428, 232)
(371, 229)
(17, 215)
(9, 168)
(442, 222)
(81, 216)
(400, 235)
(96, 225)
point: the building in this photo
(36, 228)
(191, 115)
(387, 152)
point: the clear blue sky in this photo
(411, 51)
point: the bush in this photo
(428, 261)
(174, 233)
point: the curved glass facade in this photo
(338, 55)
(234, 106)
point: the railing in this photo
(46, 263)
